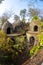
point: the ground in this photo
(36, 59)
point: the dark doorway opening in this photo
(35, 28)
(8, 30)
(32, 40)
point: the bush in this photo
(34, 50)
(9, 49)
(19, 40)
(3, 39)
(40, 37)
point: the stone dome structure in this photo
(34, 30)
(7, 27)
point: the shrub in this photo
(34, 50)
(20, 39)
(9, 49)
(2, 39)
(40, 37)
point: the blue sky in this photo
(17, 5)
(12, 5)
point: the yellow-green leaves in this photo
(19, 39)
(40, 37)
(34, 50)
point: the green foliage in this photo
(41, 24)
(20, 43)
(1, 1)
(34, 12)
(20, 39)
(2, 39)
(19, 47)
(9, 49)
(2, 34)
(10, 41)
(23, 14)
(8, 44)
(34, 50)
(40, 37)
(35, 18)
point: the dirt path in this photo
(35, 60)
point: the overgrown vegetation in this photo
(11, 50)
(14, 49)
(35, 49)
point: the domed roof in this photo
(6, 25)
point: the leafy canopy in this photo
(1, 1)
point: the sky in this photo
(17, 5)
(12, 5)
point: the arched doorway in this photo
(35, 28)
(8, 30)
(32, 40)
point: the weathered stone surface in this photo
(7, 25)
(34, 30)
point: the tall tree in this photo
(6, 16)
(23, 14)
(16, 17)
(34, 12)
(1, 1)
